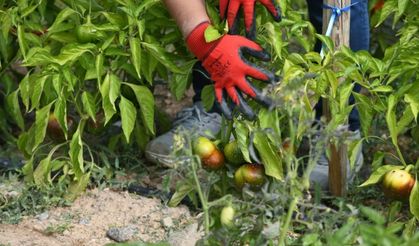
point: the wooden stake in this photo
(339, 153)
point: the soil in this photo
(88, 219)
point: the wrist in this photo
(197, 44)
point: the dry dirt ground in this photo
(88, 219)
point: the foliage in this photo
(84, 60)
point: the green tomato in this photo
(397, 184)
(227, 216)
(203, 147)
(87, 33)
(233, 153)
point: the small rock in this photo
(121, 234)
(84, 221)
(43, 216)
(186, 237)
(167, 222)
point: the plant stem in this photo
(203, 199)
(284, 229)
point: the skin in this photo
(187, 13)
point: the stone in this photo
(122, 234)
(43, 216)
(167, 222)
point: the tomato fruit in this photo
(214, 161)
(98, 126)
(252, 174)
(203, 147)
(227, 216)
(233, 153)
(54, 129)
(88, 32)
(397, 184)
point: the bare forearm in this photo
(187, 13)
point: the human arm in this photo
(222, 58)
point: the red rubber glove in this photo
(231, 8)
(223, 59)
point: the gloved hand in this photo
(230, 8)
(223, 59)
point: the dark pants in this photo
(359, 40)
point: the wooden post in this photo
(339, 153)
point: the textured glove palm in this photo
(230, 8)
(223, 59)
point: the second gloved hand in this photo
(224, 61)
(230, 8)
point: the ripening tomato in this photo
(397, 184)
(250, 173)
(214, 161)
(54, 129)
(203, 147)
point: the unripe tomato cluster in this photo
(212, 158)
(248, 173)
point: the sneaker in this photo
(159, 150)
(320, 174)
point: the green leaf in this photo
(76, 153)
(326, 41)
(345, 91)
(242, 135)
(27, 170)
(128, 116)
(208, 97)
(135, 46)
(270, 157)
(25, 91)
(41, 174)
(160, 54)
(21, 40)
(72, 52)
(37, 89)
(376, 176)
(89, 105)
(110, 90)
(77, 187)
(412, 98)
(402, 4)
(182, 191)
(365, 112)
(383, 88)
(373, 215)
(99, 66)
(211, 34)
(60, 111)
(331, 79)
(41, 122)
(414, 200)
(391, 118)
(62, 16)
(12, 103)
(146, 100)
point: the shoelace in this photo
(189, 116)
